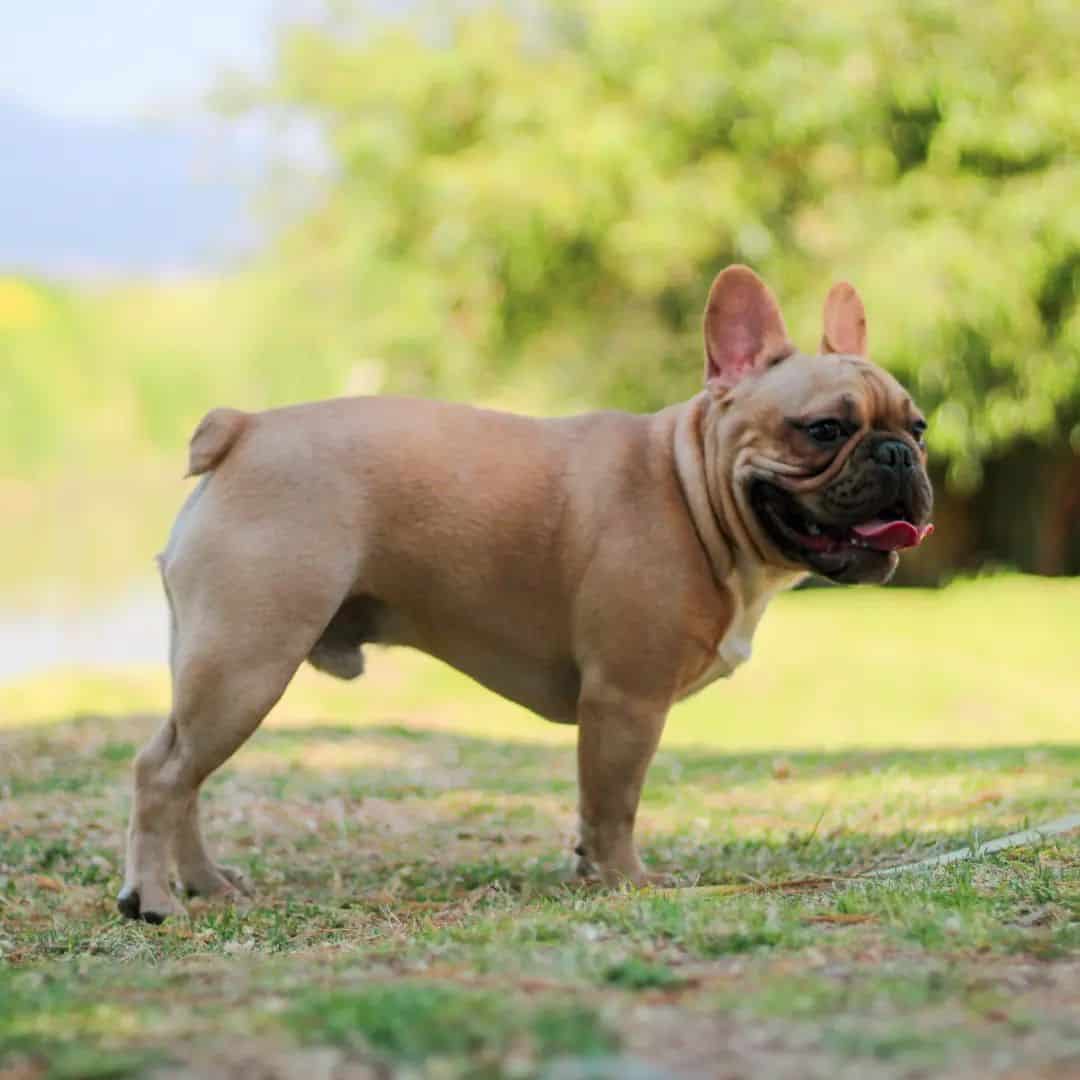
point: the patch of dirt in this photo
(249, 1059)
(698, 1038)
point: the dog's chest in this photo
(751, 596)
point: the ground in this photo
(409, 841)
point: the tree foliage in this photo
(541, 192)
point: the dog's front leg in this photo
(617, 737)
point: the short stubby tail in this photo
(214, 438)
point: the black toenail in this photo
(154, 918)
(128, 903)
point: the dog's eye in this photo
(918, 429)
(825, 432)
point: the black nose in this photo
(894, 454)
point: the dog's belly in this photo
(547, 687)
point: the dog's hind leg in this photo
(216, 707)
(199, 874)
(146, 878)
(238, 642)
(336, 652)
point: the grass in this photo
(409, 841)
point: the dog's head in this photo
(819, 461)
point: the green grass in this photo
(409, 1021)
(409, 840)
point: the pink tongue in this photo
(891, 535)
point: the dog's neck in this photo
(691, 468)
(738, 569)
(735, 561)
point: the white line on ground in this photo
(1017, 839)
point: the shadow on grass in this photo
(334, 808)
(693, 761)
(390, 758)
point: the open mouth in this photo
(797, 533)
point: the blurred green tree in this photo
(541, 192)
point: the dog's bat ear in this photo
(744, 330)
(845, 321)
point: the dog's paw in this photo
(584, 868)
(657, 879)
(154, 911)
(223, 881)
(238, 880)
(637, 877)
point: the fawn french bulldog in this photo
(595, 569)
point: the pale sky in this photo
(116, 59)
(97, 103)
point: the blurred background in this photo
(522, 204)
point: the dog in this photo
(595, 569)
